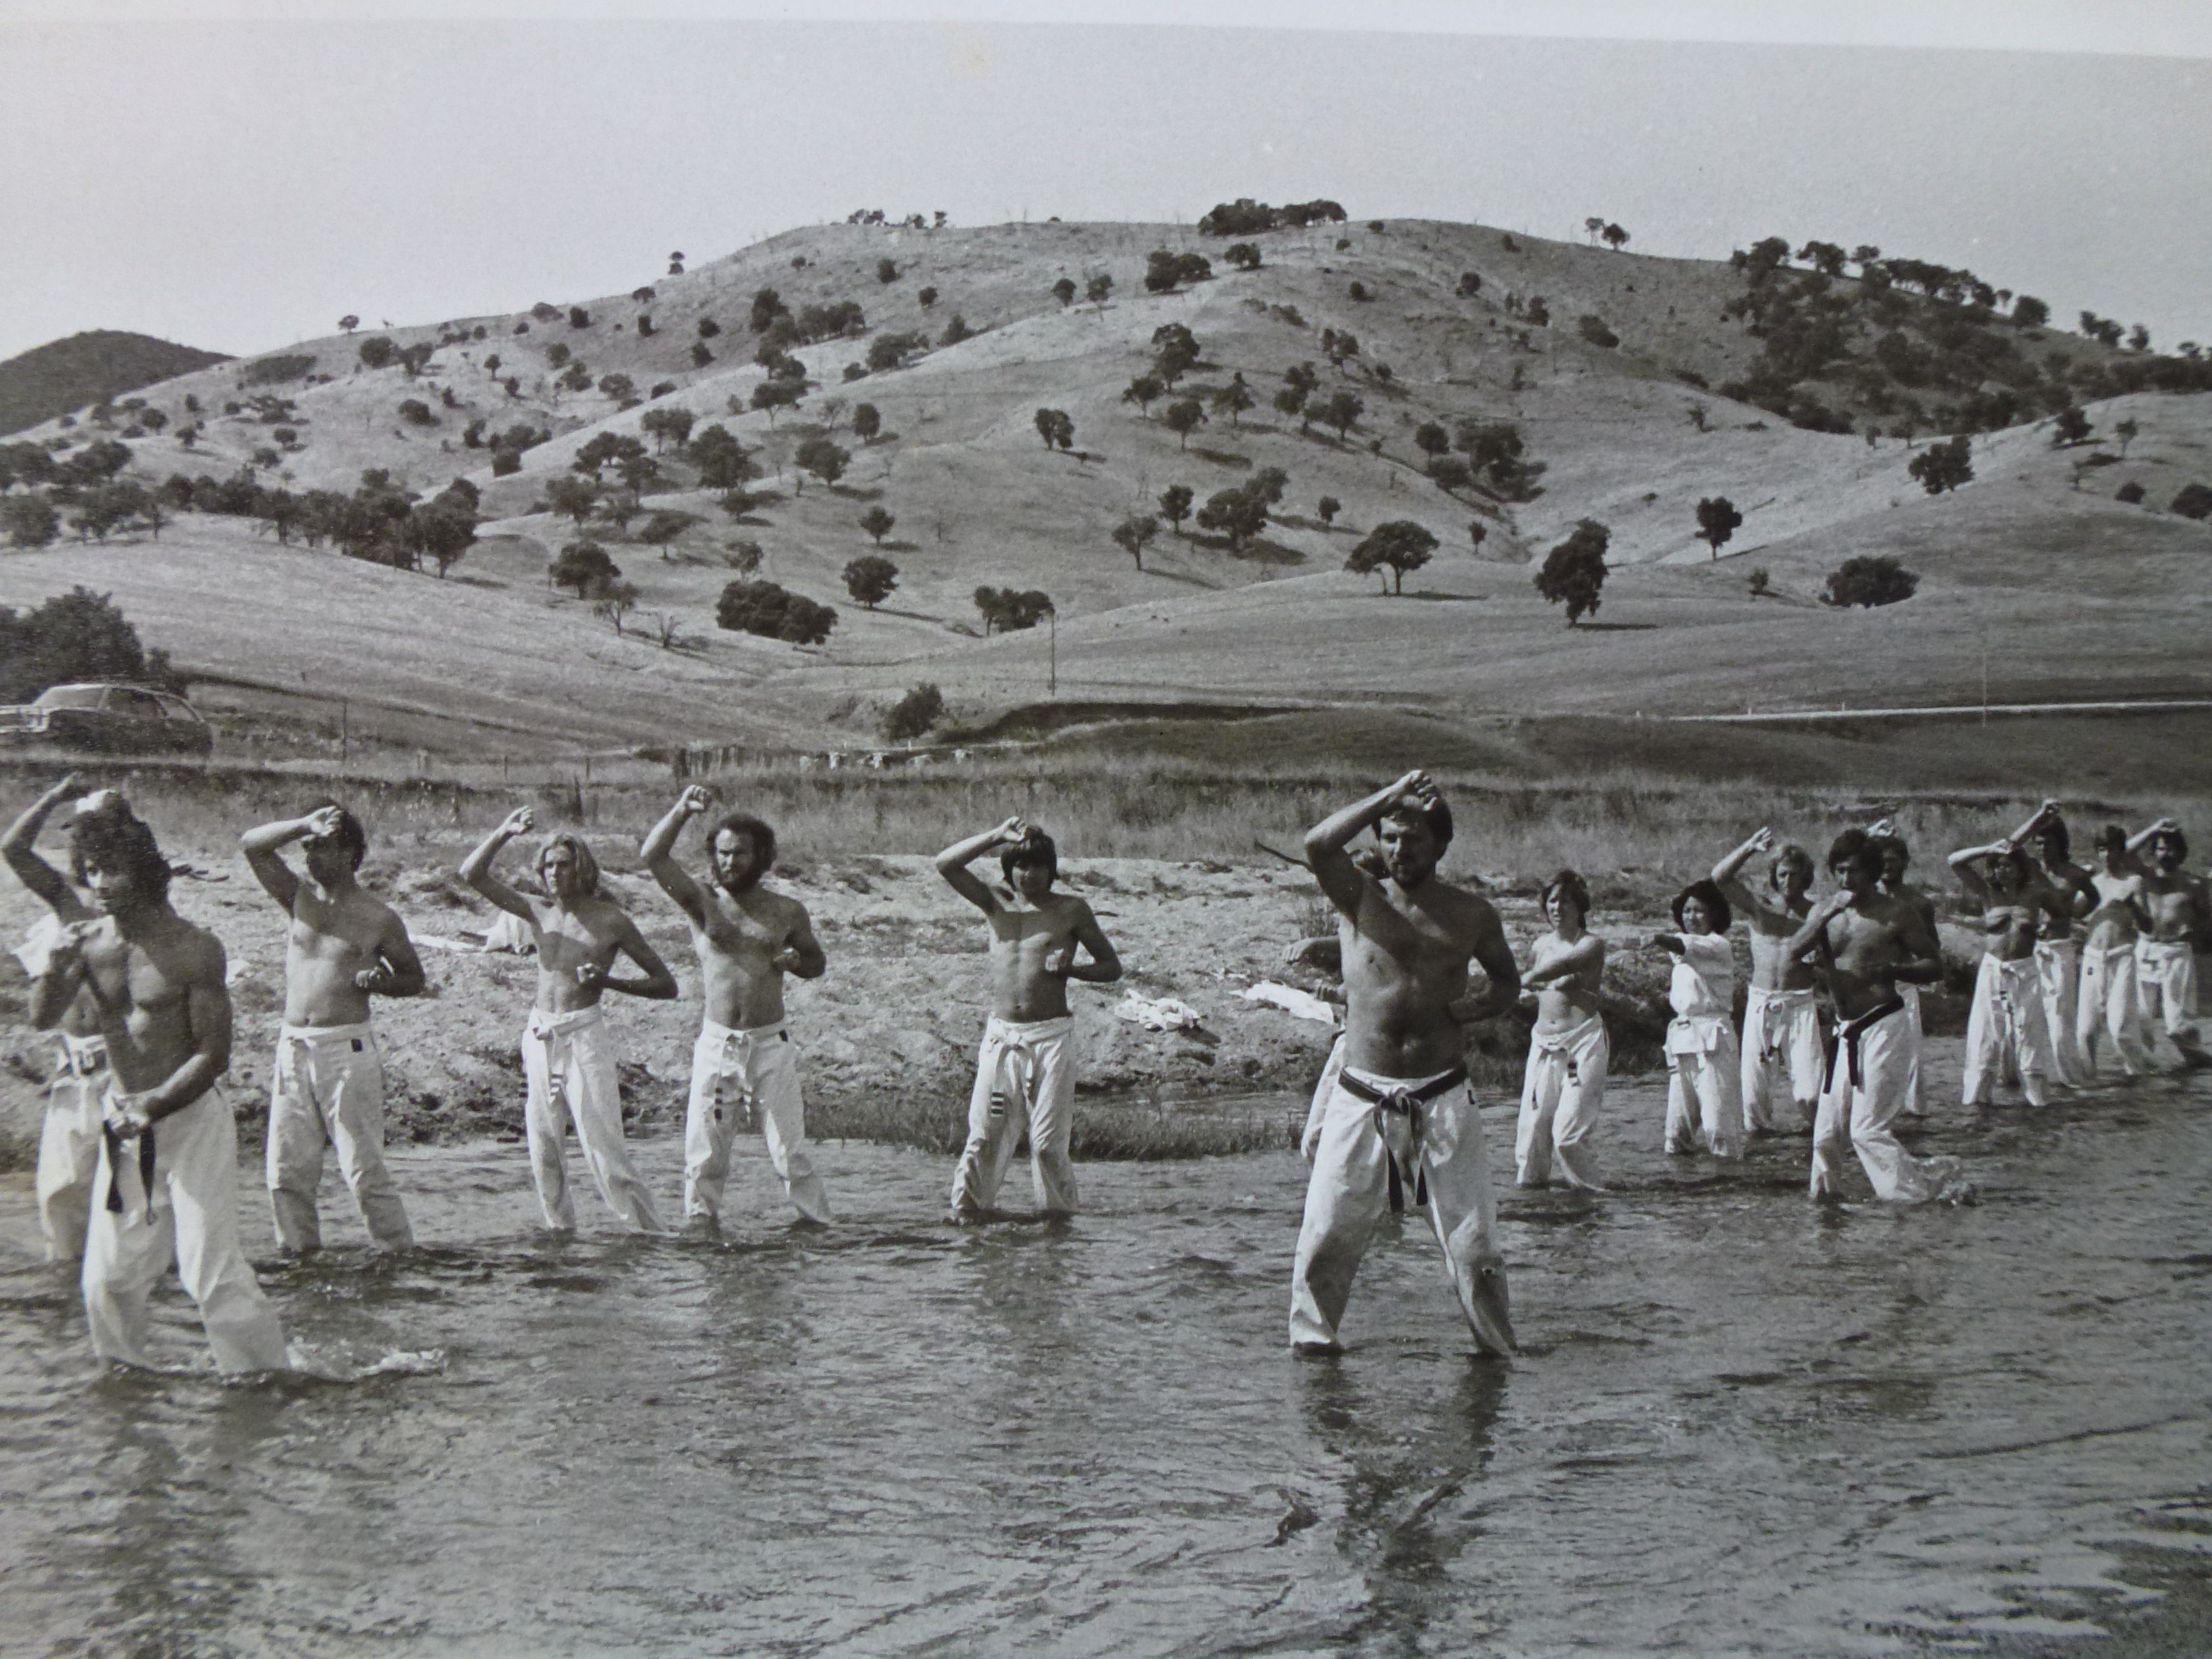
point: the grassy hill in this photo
(2067, 591)
(88, 369)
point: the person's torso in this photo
(2116, 920)
(1405, 963)
(143, 987)
(1021, 939)
(1773, 968)
(1865, 949)
(740, 985)
(569, 939)
(2172, 901)
(1565, 1002)
(2010, 930)
(326, 945)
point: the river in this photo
(1741, 1424)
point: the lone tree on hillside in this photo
(1943, 466)
(877, 523)
(1401, 544)
(1064, 291)
(664, 527)
(666, 425)
(870, 578)
(772, 395)
(1096, 289)
(886, 271)
(1328, 506)
(1431, 439)
(1054, 427)
(1009, 610)
(1175, 504)
(1717, 520)
(1183, 417)
(2127, 431)
(914, 714)
(349, 322)
(583, 566)
(867, 423)
(1574, 571)
(1869, 580)
(1342, 411)
(1477, 533)
(1134, 533)
(571, 498)
(1615, 237)
(1235, 398)
(1175, 352)
(824, 459)
(2069, 426)
(614, 601)
(377, 351)
(1142, 391)
(1239, 514)
(774, 613)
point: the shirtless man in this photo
(1025, 1069)
(1563, 1086)
(169, 1159)
(1402, 1112)
(747, 937)
(1870, 943)
(2166, 953)
(2007, 1036)
(1896, 858)
(566, 1046)
(69, 1140)
(344, 946)
(2059, 947)
(2110, 1006)
(1781, 1021)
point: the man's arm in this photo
(2048, 810)
(1326, 841)
(952, 863)
(207, 1011)
(475, 869)
(657, 983)
(1925, 962)
(1496, 957)
(1103, 968)
(2141, 839)
(398, 971)
(659, 852)
(802, 955)
(1728, 874)
(1962, 865)
(19, 845)
(261, 847)
(1813, 934)
(64, 976)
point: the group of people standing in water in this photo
(137, 1165)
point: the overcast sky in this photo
(237, 182)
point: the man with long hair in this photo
(2045, 839)
(2165, 951)
(1781, 1019)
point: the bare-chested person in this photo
(2111, 1010)
(1869, 943)
(166, 1184)
(1402, 1112)
(2165, 951)
(344, 946)
(1896, 859)
(1563, 1086)
(742, 1067)
(2007, 1036)
(68, 1139)
(1782, 1044)
(567, 1053)
(1025, 1069)
(2044, 838)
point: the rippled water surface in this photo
(1739, 1425)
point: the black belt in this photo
(1846, 1036)
(115, 1161)
(1407, 1101)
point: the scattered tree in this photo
(914, 714)
(878, 524)
(1943, 466)
(377, 351)
(583, 565)
(1431, 439)
(1238, 514)
(955, 331)
(1243, 255)
(1477, 533)
(669, 425)
(867, 421)
(1869, 580)
(664, 527)
(1175, 504)
(1398, 545)
(1184, 417)
(744, 557)
(1235, 398)
(2069, 427)
(614, 601)
(1009, 612)
(700, 356)
(1054, 427)
(2193, 501)
(1574, 571)
(2127, 431)
(887, 271)
(1342, 411)
(1470, 284)
(826, 461)
(1096, 289)
(572, 498)
(1175, 352)
(928, 298)
(1142, 391)
(774, 613)
(2131, 492)
(1064, 291)
(2028, 312)
(772, 395)
(349, 322)
(871, 578)
(579, 318)
(1328, 506)
(1615, 237)
(1717, 520)
(1134, 533)
(31, 521)
(723, 462)
(1592, 329)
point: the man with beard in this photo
(2007, 1036)
(747, 939)
(1781, 1021)
(169, 1158)
(2165, 952)
(2058, 948)
(1402, 1114)
(1869, 943)
(344, 945)
(567, 1053)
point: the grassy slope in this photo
(2075, 594)
(91, 367)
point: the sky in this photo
(236, 176)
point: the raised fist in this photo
(694, 800)
(520, 822)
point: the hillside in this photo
(86, 370)
(2069, 592)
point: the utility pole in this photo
(1051, 683)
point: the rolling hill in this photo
(86, 370)
(2034, 566)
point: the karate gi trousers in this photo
(2166, 984)
(1705, 1108)
(2058, 971)
(750, 1076)
(69, 1145)
(1870, 1066)
(2112, 1011)
(574, 1054)
(1781, 1049)
(1024, 1073)
(1413, 1140)
(327, 1085)
(1562, 1090)
(1332, 1068)
(1915, 1105)
(185, 1211)
(2006, 1040)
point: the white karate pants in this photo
(2166, 984)
(69, 1145)
(1781, 1049)
(2112, 1009)
(190, 1216)
(574, 1054)
(327, 1084)
(1916, 1104)
(2006, 1040)
(1349, 1192)
(1562, 1091)
(1024, 1073)
(1869, 1068)
(2058, 972)
(751, 1076)
(1703, 1075)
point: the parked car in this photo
(122, 719)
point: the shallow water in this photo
(1739, 1425)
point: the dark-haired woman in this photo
(1704, 1095)
(1563, 1086)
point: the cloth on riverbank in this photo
(1160, 1014)
(574, 1054)
(1782, 1048)
(1562, 1091)
(327, 1086)
(1300, 1004)
(68, 1145)
(749, 1077)
(2007, 1039)
(1870, 1066)
(1025, 1074)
